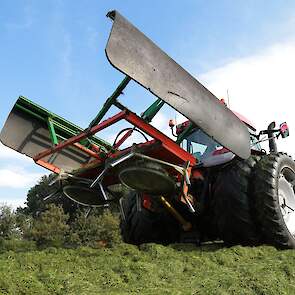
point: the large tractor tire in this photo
(139, 225)
(275, 199)
(233, 213)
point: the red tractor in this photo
(213, 182)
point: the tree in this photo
(50, 228)
(8, 223)
(35, 203)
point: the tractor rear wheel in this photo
(139, 225)
(233, 216)
(275, 199)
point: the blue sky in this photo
(53, 53)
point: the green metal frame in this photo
(58, 127)
(185, 133)
(52, 131)
(152, 110)
(147, 115)
(109, 102)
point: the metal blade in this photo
(29, 135)
(131, 52)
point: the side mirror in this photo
(284, 130)
(171, 123)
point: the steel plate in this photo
(131, 52)
(27, 135)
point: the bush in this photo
(109, 231)
(24, 223)
(50, 228)
(95, 231)
(17, 245)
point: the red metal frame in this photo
(81, 136)
(123, 139)
(167, 143)
(48, 166)
(86, 150)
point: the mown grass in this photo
(149, 269)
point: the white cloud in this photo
(8, 153)
(13, 203)
(15, 169)
(18, 177)
(161, 121)
(261, 87)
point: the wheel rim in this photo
(287, 198)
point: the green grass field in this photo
(150, 269)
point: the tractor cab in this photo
(204, 148)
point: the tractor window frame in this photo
(206, 141)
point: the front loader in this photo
(213, 182)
